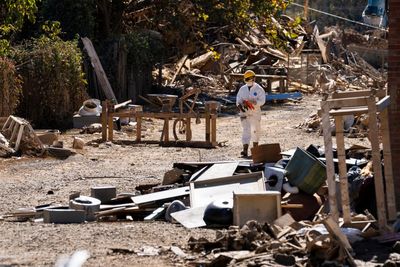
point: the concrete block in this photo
(103, 193)
(81, 121)
(88, 204)
(63, 216)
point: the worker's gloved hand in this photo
(248, 104)
(242, 108)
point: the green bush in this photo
(53, 81)
(10, 87)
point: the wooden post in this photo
(19, 137)
(166, 130)
(269, 86)
(330, 167)
(138, 128)
(110, 111)
(390, 192)
(208, 124)
(213, 129)
(188, 130)
(376, 161)
(104, 121)
(344, 190)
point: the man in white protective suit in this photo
(249, 100)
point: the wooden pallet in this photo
(16, 130)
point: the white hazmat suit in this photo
(251, 119)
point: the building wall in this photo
(394, 87)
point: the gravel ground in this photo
(27, 182)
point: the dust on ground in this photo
(27, 182)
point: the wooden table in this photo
(210, 116)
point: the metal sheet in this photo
(204, 192)
(218, 170)
(162, 195)
(190, 218)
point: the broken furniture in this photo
(260, 206)
(21, 135)
(210, 116)
(266, 153)
(369, 102)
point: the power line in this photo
(339, 17)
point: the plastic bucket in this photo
(305, 171)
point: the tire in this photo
(179, 127)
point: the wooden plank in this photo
(349, 111)
(110, 127)
(204, 192)
(98, 69)
(376, 161)
(334, 230)
(14, 127)
(120, 105)
(162, 195)
(330, 167)
(262, 76)
(219, 170)
(163, 115)
(292, 206)
(181, 64)
(7, 123)
(390, 193)
(19, 137)
(358, 93)
(104, 121)
(190, 218)
(344, 192)
(347, 102)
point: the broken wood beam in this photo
(98, 69)
(330, 167)
(180, 65)
(376, 161)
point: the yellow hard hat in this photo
(249, 74)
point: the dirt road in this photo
(27, 182)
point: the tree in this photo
(13, 14)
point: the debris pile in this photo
(354, 126)
(243, 197)
(284, 241)
(311, 63)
